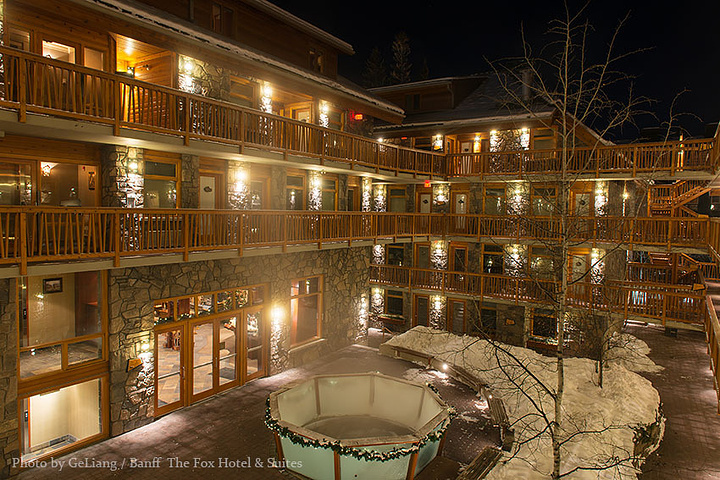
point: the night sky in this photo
(682, 38)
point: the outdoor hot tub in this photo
(357, 426)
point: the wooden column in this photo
(411, 466)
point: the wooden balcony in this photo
(43, 234)
(49, 87)
(42, 85)
(655, 302)
(667, 157)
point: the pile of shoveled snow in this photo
(599, 422)
(630, 352)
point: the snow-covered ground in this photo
(600, 424)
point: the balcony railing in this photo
(42, 85)
(658, 302)
(41, 234)
(669, 157)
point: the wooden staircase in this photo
(666, 200)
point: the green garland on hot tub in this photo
(368, 455)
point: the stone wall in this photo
(122, 186)
(9, 443)
(190, 181)
(133, 290)
(278, 182)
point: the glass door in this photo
(255, 344)
(214, 356)
(169, 369)
(227, 353)
(202, 354)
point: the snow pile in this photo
(599, 423)
(631, 353)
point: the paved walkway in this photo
(691, 447)
(230, 426)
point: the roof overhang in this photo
(236, 53)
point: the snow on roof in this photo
(157, 19)
(466, 121)
(423, 83)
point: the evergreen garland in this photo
(367, 455)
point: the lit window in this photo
(55, 311)
(58, 51)
(51, 421)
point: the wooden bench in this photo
(481, 465)
(500, 418)
(412, 355)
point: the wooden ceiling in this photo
(130, 50)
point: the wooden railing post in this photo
(320, 230)
(22, 89)
(23, 243)
(186, 121)
(284, 233)
(117, 106)
(186, 236)
(241, 133)
(241, 235)
(395, 228)
(323, 146)
(116, 238)
(635, 160)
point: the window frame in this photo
(388, 294)
(539, 312)
(175, 178)
(302, 189)
(318, 321)
(66, 370)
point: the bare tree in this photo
(575, 84)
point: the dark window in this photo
(329, 189)
(222, 19)
(160, 169)
(395, 255)
(544, 324)
(305, 309)
(488, 319)
(317, 60)
(493, 259)
(397, 200)
(295, 193)
(394, 302)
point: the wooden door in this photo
(421, 312)
(425, 202)
(459, 207)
